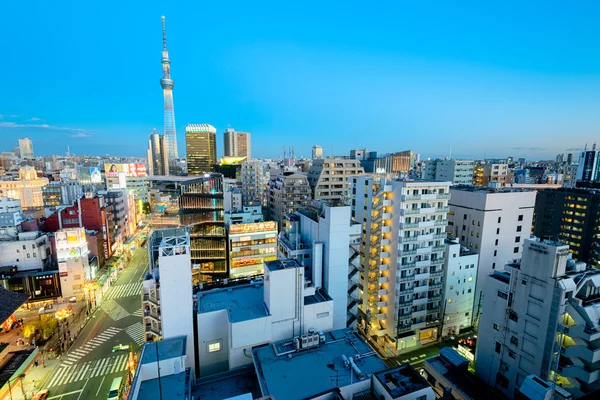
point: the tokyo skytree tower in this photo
(170, 136)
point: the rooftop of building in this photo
(169, 387)
(176, 178)
(164, 349)
(227, 385)
(489, 190)
(242, 303)
(452, 366)
(501, 276)
(278, 265)
(285, 373)
(10, 301)
(401, 381)
(320, 296)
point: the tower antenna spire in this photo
(164, 30)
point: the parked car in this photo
(120, 347)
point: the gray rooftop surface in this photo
(277, 265)
(171, 387)
(243, 303)
(314, 371)
(228, 384)
(168, 348)
(401, 381)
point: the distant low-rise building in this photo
(28, 188)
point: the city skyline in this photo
(388, 84)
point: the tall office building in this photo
(317, 152)
(541, 318)
(236, 144)
(402, 257)
(201, 148)
(170, 134)
(158, 163)
(493, 223)
(26, 148)
(571, 217)
(589, 166)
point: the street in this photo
(89, 367)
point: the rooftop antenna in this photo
(164, 32)
(450, 154)
(594, 147)
(284, 152)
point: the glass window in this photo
(214, 346)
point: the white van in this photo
(115, 388)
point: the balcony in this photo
(404, 328)
(439, 248)
(442, 222)
(436, 274)
(151, 299)
(420, 277)
(382, 304)
(387, 216)
(405, 303)
(381, 316)
(580, 372)
(384, 267)
(421, 289)
(440, 236)
(383, 279)
(407, 278)
(154, 316)
(421, 264)
(382, 292)
(386, 229)
(385, 254)
(434, 298)
(387, 203)
(404, 225)
(433, 310)
(408, 239)
(411, 211)
(426, 237)
(386, 242)
(583, 352)
(418, 325)
(424, 250)
(419, 302)
(435, 286)
(426, 224)
(405, 291)
(151, 329)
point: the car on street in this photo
(120, 347)
(43, 395)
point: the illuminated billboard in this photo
(254, 227)
(113, 170)
(95, 175)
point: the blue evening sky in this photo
(485, 78)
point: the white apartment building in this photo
(246, 215)
(320, 237)
(541, 317)
(460, 277)
(459, 172)
(255, 177)
(251, 246)
(490, 174)
(167, 298)
(329, 178)
(233, 320)
(73, 265)
(28, 251)
(403, 224)
(28, 189)
(288, 193)
(11, 216)
(494, 224)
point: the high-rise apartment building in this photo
(201, 208)
(570, 216)
(459, 172)
(158, 162)
(402, 257)
(317, 152)
(541, 317)
(329, 178)
(201, 148)
(287, 193)
(167, 84)
(26, 148)
(236, 144)
(490, 174)
(570, 175)
(255, 177)
(494, 224)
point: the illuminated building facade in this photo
(570, 216)
(201, 148)
(402, 259)
(170, 134)
(73, 266)
(28, 189)
(201, 208)
(250, 247)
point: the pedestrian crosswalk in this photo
(136, 331)
(73, 373)
(138, 313)
(126, 290)
(114, 310)
(76, 354)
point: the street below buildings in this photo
(87, 370)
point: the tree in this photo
(48, 327)
(31, 328)
(146, 208)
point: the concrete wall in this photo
(213, 326)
